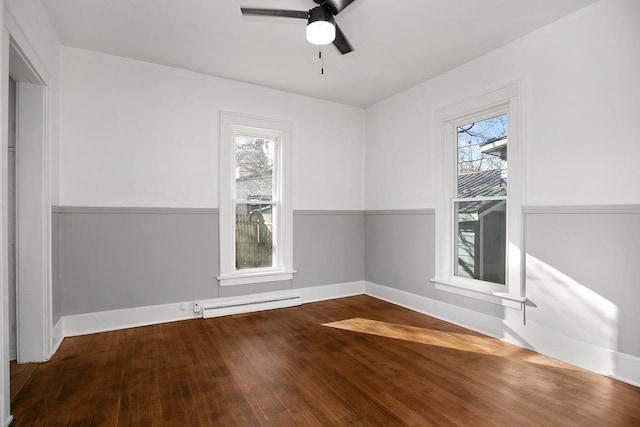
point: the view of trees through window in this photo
(480, 206)
(479, 145)
(254, 196)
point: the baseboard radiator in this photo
(247, 306)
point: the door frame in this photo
(33, 213)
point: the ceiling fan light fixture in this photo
(321, 29)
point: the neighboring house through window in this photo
(479, 209)
(255, 205)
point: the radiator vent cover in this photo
(247, 306)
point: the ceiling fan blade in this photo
(341, 42)
(275, 12)
(335, 6)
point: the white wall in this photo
(580, 110)
(139, 134)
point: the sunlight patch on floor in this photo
(539, 359)
(455, 341)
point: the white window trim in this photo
(502, 100)
(280, 131)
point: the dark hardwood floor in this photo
(20, 374)
(352, 361)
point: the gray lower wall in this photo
(582, 273)
(400, 250)
(56, 285)
(113, 258)
(328, 247)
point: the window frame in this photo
(231, 125)
(490, 104)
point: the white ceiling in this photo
(398, 43)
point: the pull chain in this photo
(321, 59)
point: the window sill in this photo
(501, 298)
(255, 277)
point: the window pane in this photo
(254, 168)
(254, 230)
(482, 158)
(481, 240)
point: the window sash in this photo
(255, 134)
(455, 240)
(275, 259)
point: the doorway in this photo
(28, 221)
(31, 213)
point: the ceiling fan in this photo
(321, 25)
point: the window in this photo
(255, 208)
(480, 203)
(478, 213)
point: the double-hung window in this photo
(479, 209)
(480, 202)
(255, 205)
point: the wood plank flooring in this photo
(20, 374)
(352, 361)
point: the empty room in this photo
(320, 212)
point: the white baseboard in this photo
(103, 321)
(327, 292)
(90, 323)
(627, 369)
(511, 329)
(57, 335)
